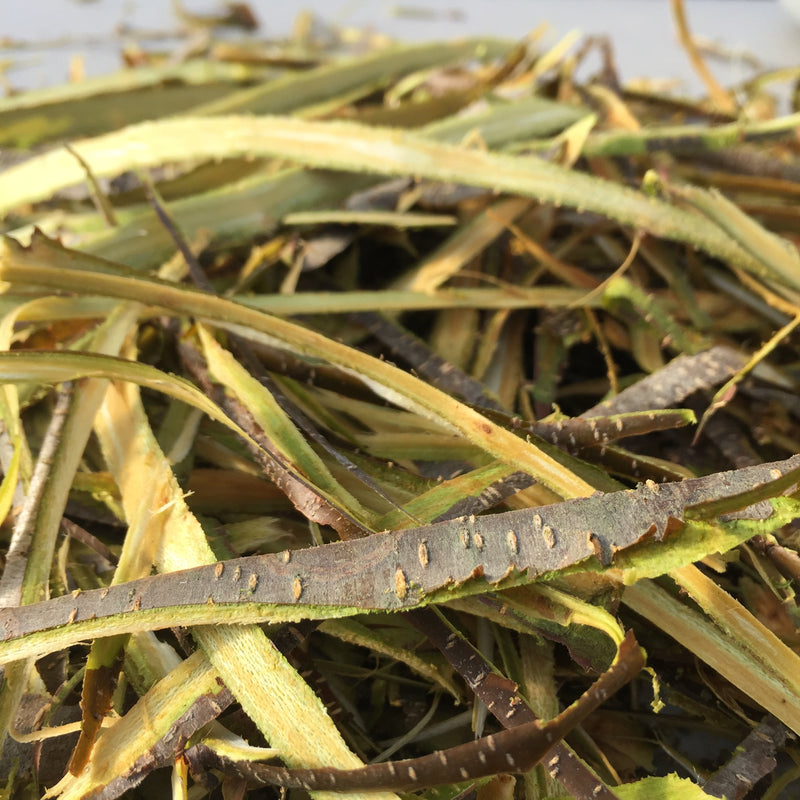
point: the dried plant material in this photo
(426, 362)
(292, 457)
(347, 146)
(516, 749)
(726, 392)
(381, 642)
(754, 759)
(34, 544)
(248, 663)
(727, 647)
(674, 382)
(377, 375)
(721, 99)
(468, 243)
(462, 557)
(582, 433)
(501, 697)
(418, 330)
(153, 732)
(99, 685)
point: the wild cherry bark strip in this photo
(501, 696)
(399, 570)
(753, 759)
(516, 749)
(675, 381)
(305, 497)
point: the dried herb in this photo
(400, 336)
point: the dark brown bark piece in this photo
(41, 761)
(578, 434)
(753, 759)
(205, 709)
(297, 489)
(99, 684)
(425, 362)
(676, 381)
(502, 698)
(491, 496)
(399, 570)
(514, 750)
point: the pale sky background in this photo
(641, 30)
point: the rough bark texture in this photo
(515, 749)
(396, 570)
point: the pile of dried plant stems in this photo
(398, 406)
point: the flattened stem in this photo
(396, 570)
(515, 750)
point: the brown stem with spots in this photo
(501, 697)
(517, 749)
